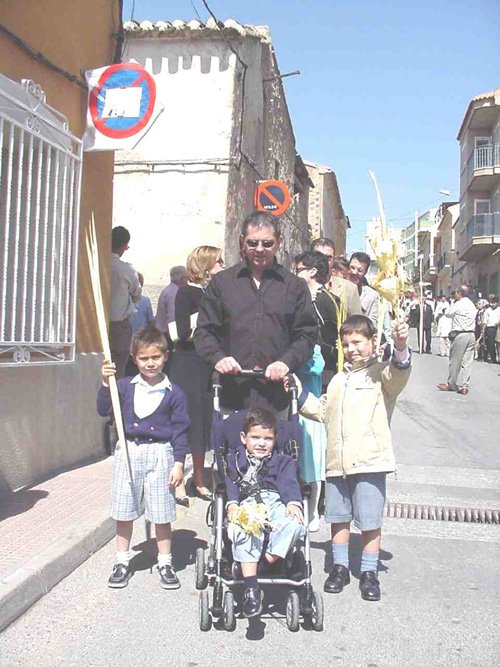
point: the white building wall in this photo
(171, 208)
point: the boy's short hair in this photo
(146, 336)
(259, 417)
(359, 324)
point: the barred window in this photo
(40, 174)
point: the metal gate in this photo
(40, 177)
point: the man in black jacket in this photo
(256, 314)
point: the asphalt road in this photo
(440, 581)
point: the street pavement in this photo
(440, 581)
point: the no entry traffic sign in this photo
(272, 197)
(122, 102)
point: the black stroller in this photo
(213, 566)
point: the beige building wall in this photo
(478, 252)
(447, 251)
(47, 413)
(326, 213)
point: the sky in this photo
(384, 85)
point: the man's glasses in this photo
(253, 243)
(299, 269)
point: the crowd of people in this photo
(319, 323)
(467, 327)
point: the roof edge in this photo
(195, 28)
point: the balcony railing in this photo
(484, 224)
(483, 157)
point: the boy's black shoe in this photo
(337, 579)
(120, 576)
(168, 578)
(252, 601)
(369, 586)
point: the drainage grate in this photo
(439, 513)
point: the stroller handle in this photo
(246, 373)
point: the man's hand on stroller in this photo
(276, 371)
(176, 475)
(228, 366)
(232, 510)
(295, 512)
(289, 381)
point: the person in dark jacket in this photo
(190, 371)
(263, 495)
(256, 314)
(428, 319)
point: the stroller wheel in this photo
(229, 618)
(292, 611)
(204, 608)
(318, 612)
(201, 579)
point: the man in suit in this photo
(338, 286)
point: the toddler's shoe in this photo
(168, 578)
(120, 576)
(252, 601)
(369, 586)
(337, 579)
(236, 571)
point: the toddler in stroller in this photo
(257, 520)
(264, 504)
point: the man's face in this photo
(493, 304)
(328, 252)
(357, 271)
(260, 245)
(356, 346)
(259, 441)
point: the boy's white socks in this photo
(164, 559)
(124, 557)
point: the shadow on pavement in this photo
(184, 545)
(20, 501)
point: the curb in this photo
(21, 589)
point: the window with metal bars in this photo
(40, 175)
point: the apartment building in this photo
(478, 231)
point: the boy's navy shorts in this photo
(360, 497)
